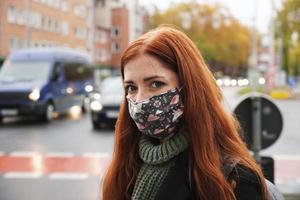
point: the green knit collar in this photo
(158, 154)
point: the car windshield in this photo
(25, 71)
(112, 85)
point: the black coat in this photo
(176, 184)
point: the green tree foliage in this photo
(222, 40)
(288, 30)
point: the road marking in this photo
(22, 175)
(24, 154)
(97, 155)
(286, 157)
(60, 154)
(68, 165)
(72, 176)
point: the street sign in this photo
(270, 122)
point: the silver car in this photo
(106, 104)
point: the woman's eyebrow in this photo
(146, 79)
(152, 77)
(128, 82)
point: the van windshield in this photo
(25, 71)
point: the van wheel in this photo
(48, 113)
(1, 119)
(96, 125)
(85, 105)
(83, 109)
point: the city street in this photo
(65, 57)
(65, 160)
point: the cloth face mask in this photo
(159, 115)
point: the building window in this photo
(11, 14)
(36, 20)
(35, 44)
(21, 43)
(16, 15)
(44, 22)
(12, 43)
(53, 25)
(49, 24)
(65, 28)
(80, 32)
(57, 26)
(102, 55)
(79, 10)
(16, 43)
(115, 32)
(21, 16)
(101, 36)
(64, 6)
(56, 4)
(115, 47)
(50, 3)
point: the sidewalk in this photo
(291, 197)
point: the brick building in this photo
(124, 21)
(119, 34)
(101, 27)
(36, 23)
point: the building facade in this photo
(125, 20)
(103, 28)
(43, 23)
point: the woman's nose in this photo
(141, 95)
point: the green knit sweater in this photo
(158, 159)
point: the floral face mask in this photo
(158, 116)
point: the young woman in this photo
(173, 138)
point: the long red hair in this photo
(212, 132)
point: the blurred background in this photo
(60, 85)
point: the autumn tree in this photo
(287, 30)
(222, 40)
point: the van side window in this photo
(77, 72)
(56, 71)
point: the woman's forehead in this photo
(146, 65)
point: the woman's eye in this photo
(157, 84)
(130, 88)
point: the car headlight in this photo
(69, 90)
(220, 82)
(34, 95)
(261, 81)
(96, 106)
(96, 96)
(88, 88)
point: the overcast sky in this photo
(243, 10)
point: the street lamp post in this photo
(256, 103)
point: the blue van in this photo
(40, 81)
